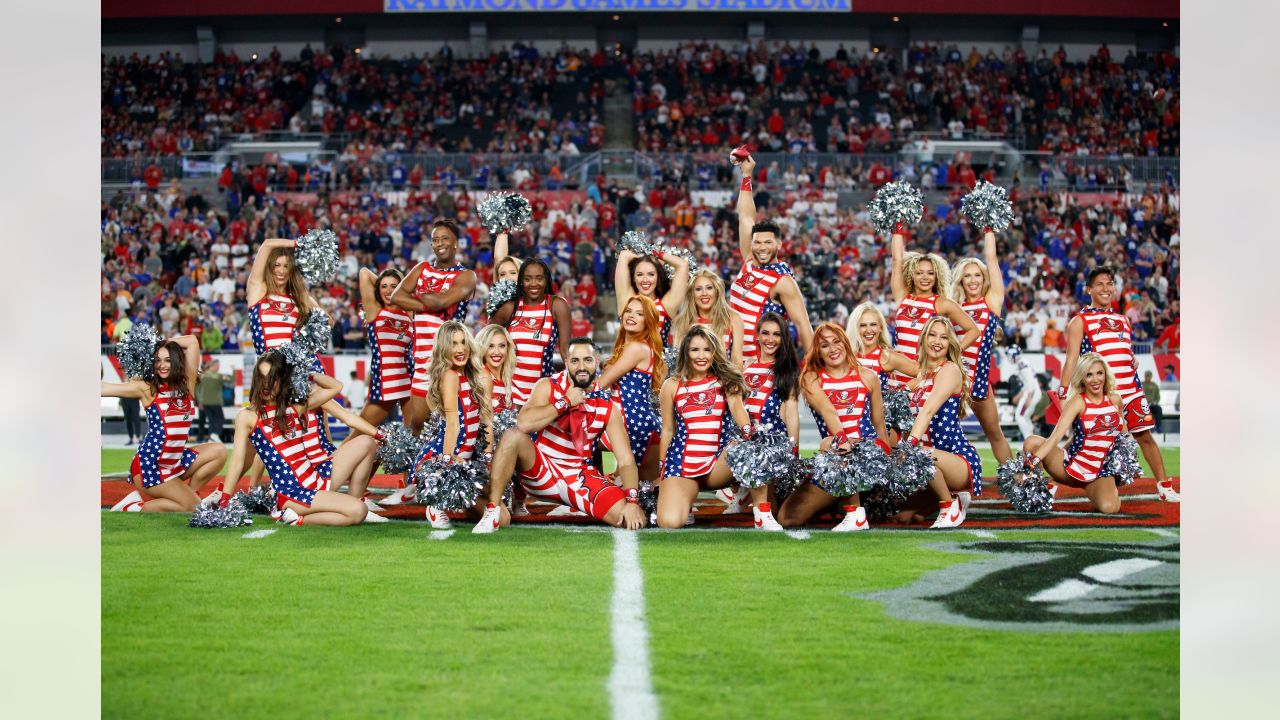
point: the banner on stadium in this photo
(814, 6)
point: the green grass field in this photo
(383, 621)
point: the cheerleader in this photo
(459, 393)
(645, 276)
(773, 384)
(704, 394)
(917, 281)
(979, 288)
(938, 400)
(538, 324)
(285, 434)
(705, 304)
(875, 352)
(846, 404)
(505, 267)
(499, 359)
(164, 469)
(637, 368)
(390, 331)
(1095, 412)
(434, 294)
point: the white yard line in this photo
(441, 534)
(254, 534)
(1164, 532)
(797, 534)
(984, 534)
(630, 685)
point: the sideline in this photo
(630, 685)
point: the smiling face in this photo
(386, 287)
(508, 269)
(869, 329)
(459, 350)
(705, 295)
(1095, 380)
(535, 283)
(700, 355)
(281, 268)
(163, 363)
(445, 245)
(764, 247)
(769, 338)
(581, 364)
(645, 278)
(832, 350)
(496, 352)
(935, 342)
(1102, 291)
(972, 281)
(925, 277)
(633, 318)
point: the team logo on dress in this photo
(527, 323)
(433, 285)
(1146, 407)
(1110, 420)
(398, 326)
(749, 282)
(701, 400)
(843, 398)
(1110, 324)
(918, 397)
(755, 381)
(911, 313)
(281, 306)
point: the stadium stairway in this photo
(619, 120)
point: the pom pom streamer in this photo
(504, 212)
(317, 256)
(400, 449)
(988, 206)
(636, 242)
(895, 202)
(763, 459)
(897, 410)
(688, 257)
(877, 504)
(448, 485)
(648, 498)
(212, 516)
(1121, 461)
(502, 422)
(911, 467)
(1026, 488)
(500, 293)
(315, 332)
(259, 500)
(870, 465)
(137, 351)
(300, 359)
(833, 472)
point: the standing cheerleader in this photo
(390, 331)
(938, 400)
(701, 398)
(164, 469)
(705, 304)
(773, 383)
(434, 294)
(916, 281)
(845, 400)
(538, 324)
(637, 368)
(875, 352)
(460, 390)
(979, 288)
(644, 276)
(1096, 412)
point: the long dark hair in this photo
(177, 371)
(524, 268)
(664, 282)
(377, 284)
(786, 362)
(272, 389)
(295, 286)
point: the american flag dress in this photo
(726, 340)
(908, 320)
(944, 432)
(849, 396)
(1095, 431)
(977, 357)
(763, 404)
(163, 454)
(287, 457)
(1110, 335)
(634, 392)
(498, 396)
(534, 333)
(874, 361)
(427, 323)
(272, 321)
(701, 430)
(750, 297)
(468, 415)
(664, 319)
(391, 354)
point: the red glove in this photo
(900, 228)
(225, 500)
(741, 153)
(747, 431)
(381, 437)
(1062, 392)
(913, 440)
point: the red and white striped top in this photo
(981, 314)
(498, 395)
(311, 441)
(277, 316)
(1110, 335)
(391, 345)
(848, 395)
(427, 323)
(175, 414)
(700, 410)
(1101, 427)
(759, 377)
(531, 328)
(908, 320)
(748, 295)
(555, 441)
(293, 446)
(468, 419)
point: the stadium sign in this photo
(828, 6)
(1047, 586)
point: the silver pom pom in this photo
(502, 422)
(137, 351)
(300, 359)
(448, 485)
(212, 516)
(636, 242)
(400, 449)
(688, 257)
(314, 333)
(669, 356)
(877, 504)
(500, 293)
(519, 212)
(1121, 461)
(648, 498)
(1026, 488)
(988, 206)
(833, 472)
(911, 467)
(763, 459)
(870, 464)
(260, 500)
(897, 410)
(504, 212)
(895, 202)
(317, 256)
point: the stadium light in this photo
(357, 51)
(615, 18)
(895, 18)
(337, 19)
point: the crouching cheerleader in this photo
(773, 384)
(162, 376)
(703, 389)
(845, 399)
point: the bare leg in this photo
(255, 472)
(415, 413)
(331, 508)
(675, 501)
(1103, 494)
(353, 464)
(989, 419)
(802, 505)
(209, 460)
(172, 495)
(514, 451)
(1054, 462)
(650, 469)
(1151, 453)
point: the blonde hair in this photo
(508, 367)
(442, 363)
(724, 371)
(1076, 385)
(954, 355)
(497, 269)
(855, 335)
(957, 279)
(721, 322)
(942, 275)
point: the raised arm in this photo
(404, 295)
(1075, 334)
(622, 278)
(945, 384)
(995, 295)
(501, 248)
(325, 389)
(746, 208)
(736, 331)
(256, 286)
(190, 345)
(674, 299)
(564, 326)
(897, 283)
(368, 295)
(876, 402)
(958, 316)
(788, 293)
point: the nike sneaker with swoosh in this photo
(438, 519)
(950, 516)
(853, 522)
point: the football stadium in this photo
(640, 359)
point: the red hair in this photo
(814, 360)
(650, 334)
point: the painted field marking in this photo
(984, 534)
(254, 534)
(797, 534)
(630, 685)
(441, 534)
(1164, 532)
(1106, 572)
(878, 530)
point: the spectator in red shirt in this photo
(1171, 339)
(152, 176)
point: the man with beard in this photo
(569, 413)
(764, 284)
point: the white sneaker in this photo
(562, 510)
(1167, 493)
(725, 495)
(735, 505)
(373, 517)
(489, 523)
(372, 506)
(966, 500)
(950, 516)
(212, 498)
(131, 503)
(438, 518)
(290, 517)
(765, 521)
(1053, 490)
(404, 495)
(855, 521)
(689, 520)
